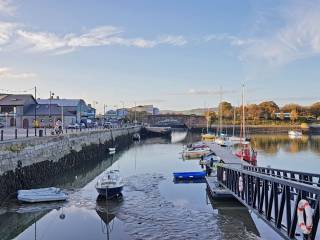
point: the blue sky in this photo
(174, 54)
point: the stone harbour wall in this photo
(38, 162)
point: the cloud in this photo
(6, 32)
(199, 92)
(7, 7)
(9, 73)
(99, 36)
(296, 38)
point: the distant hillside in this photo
(196, 111)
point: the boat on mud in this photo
(110, 185)
(42, 195)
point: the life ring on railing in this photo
(240, 184)
(306, 227)
(224, 176)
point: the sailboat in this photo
(208, 137)
(236, 139)
(246, 152)
(222, 139)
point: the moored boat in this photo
(42, 195)
(189, 175)
(293, 133)
(195, 152)
(110, 185)
(208, 137)
(247, 154)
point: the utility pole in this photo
(135, 113)
(35, 111)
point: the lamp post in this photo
(35, 112)
(50, 98)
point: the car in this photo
(1, 125)
(74, 126)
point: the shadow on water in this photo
(232, 213)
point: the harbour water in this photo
(153, 206)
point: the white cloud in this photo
(9, 73)
(7, 7)
(6, 31)
(297, 38)
(100, 36)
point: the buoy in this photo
(306, 227)
(240, 184)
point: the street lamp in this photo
(50, 98)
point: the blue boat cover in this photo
(189, 175)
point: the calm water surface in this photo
(153, 207)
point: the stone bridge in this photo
(191, 121)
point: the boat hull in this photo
(189, 175)
(110, 192)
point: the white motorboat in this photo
(224, 141)
(195, 152)
(110, 185)
(293, 133)
(42, 195)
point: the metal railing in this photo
(303, 177)
(275, 199)
(12, 134)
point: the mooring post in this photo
(1, 135)
(16, 133)
(27, 132)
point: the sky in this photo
(171, 53)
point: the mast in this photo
(243, 113)
(220, 112)
(234, 120)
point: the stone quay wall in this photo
(38, 162)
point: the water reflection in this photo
(272, 144)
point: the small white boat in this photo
(224, 141)
(42, 195)
(112, 149)
(293, 133)
(110, 185)
(195, 152)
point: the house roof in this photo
(61, 102)
(15, 99)
(46, 109)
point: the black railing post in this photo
(15, 133)
(1, 135)
(27, 132)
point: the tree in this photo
(210, 116)
(268, 108)
(294, 115)
(281, 116)
(226, 110)
(315, 109)
(253, 112)
(290, 107)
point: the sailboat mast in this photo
(234, 120)
(243, 114)
(220, 112)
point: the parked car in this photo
(107, 125)
(74, 126)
